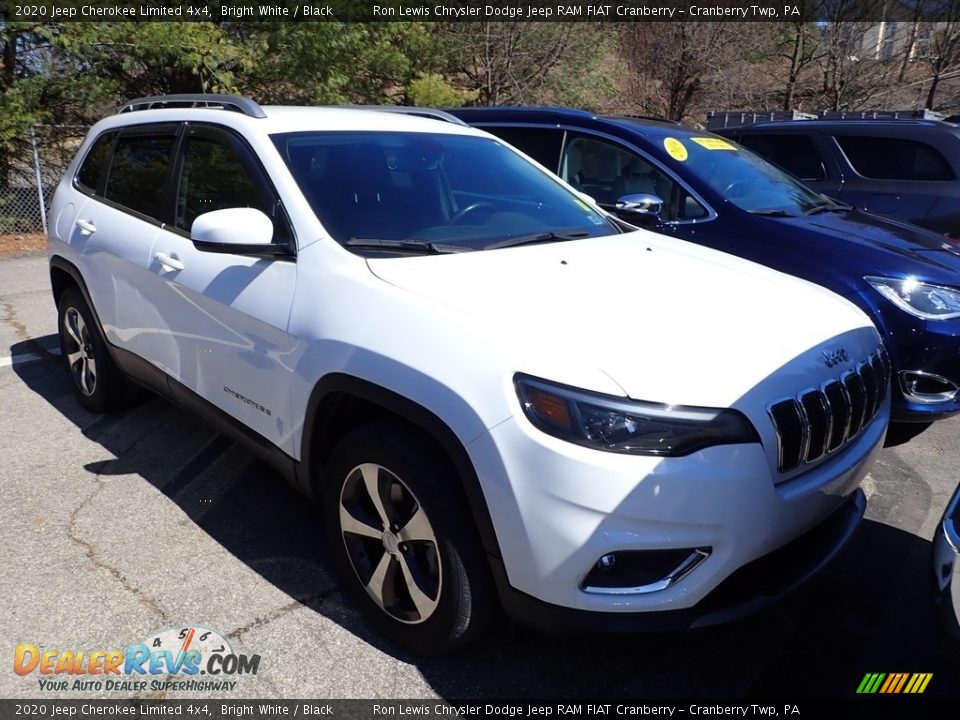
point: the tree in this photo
(332, 63)
(434, 90)
(671, 62)
(799, 43)
(156, 58)
(941, 53)
(529, 63)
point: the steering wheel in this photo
(471, 208)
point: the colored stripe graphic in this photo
(894, 683)
(870, 683)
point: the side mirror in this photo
(639, 208)
(241, 231)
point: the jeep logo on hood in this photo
(834, 357)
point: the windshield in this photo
(451, 192)
(745, 179)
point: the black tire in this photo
(96, 381)
(456, 598)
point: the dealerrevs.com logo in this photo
(187, 657)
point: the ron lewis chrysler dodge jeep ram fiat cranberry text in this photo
(499, 393)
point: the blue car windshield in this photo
(456, 192)
(745, 179)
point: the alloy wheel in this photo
(390, 543)
(79, 351)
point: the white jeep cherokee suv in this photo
(500, 394)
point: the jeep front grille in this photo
(819, 421)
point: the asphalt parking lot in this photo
(114, 527)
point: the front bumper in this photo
(747, 591)
(946, 568)
(925, 346)
(558, 508)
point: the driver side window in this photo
(213, 178)
(607, 172)
(217, 172)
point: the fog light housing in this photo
(607, 561)
(637, 572)
(923, 387)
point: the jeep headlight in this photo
(920, 299)
(605, 422)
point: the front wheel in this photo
(96, 381)
(403, 541)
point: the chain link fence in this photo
(29, 174)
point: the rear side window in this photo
(94, 168)
(542, 144)
(139, 171)
(797, 154)
(887, 158)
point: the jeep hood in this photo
(665, 320)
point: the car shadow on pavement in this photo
(871, 611)
(901, 433)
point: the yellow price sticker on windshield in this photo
(713, 143)
(675, 149)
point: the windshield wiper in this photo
(406, 246)
(828, 207)
(535, 238)
(771, 212)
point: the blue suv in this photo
(904, 169)
(706, 189)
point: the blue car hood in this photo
(889, 245)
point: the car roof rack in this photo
(234, 103)
(719, 119)
(431, 113)
(923, 114)
(737, 119)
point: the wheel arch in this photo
(341, 402)
(64, 275)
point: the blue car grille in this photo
(819, 421)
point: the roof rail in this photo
(729, 119)
(657, 118)
(880, 115)
(432, 113)
(234, 103)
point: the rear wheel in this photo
(403, 540)
(96, 381)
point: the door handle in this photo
(169, 262)
(86, 226)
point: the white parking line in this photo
(22, 358)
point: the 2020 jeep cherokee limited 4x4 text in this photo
(498, 393)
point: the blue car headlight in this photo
(621, 425)
(920, 299)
